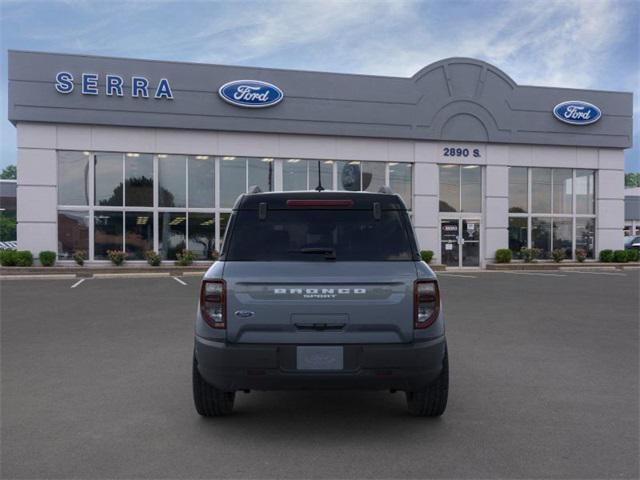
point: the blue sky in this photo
(568, 43)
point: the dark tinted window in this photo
(314, 235)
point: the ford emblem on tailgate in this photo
(577, 112)
(250, 93)
(244, 313)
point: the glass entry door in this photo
(460, 242)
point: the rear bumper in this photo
(231, 367)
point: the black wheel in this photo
(209, 401)
(432, 401)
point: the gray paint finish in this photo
(457, 99)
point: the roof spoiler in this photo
(254, 189)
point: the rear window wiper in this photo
(329, 253)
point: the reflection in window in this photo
(471, 190)
(172, 227)
(400, 180)
(233, 180)
(585, 235)
(517, 235)
(585, 191)
(518, 190)
(138, 237)
(171, 178)
(73, 233)
(562, 235)
(349, 176)
(202, 234)
(261, 173)
(224, 221)
(541, 190)
(373, 176)
(201, 181)
(562, 190)
(449, 188)
(138, 172)
(107, 233)
(108, 179)
(73, 178)
(294, 174)
(541, 235)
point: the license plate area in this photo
(315, 358)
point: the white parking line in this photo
(78, 283)
(598, 273)
(455, 275)
(179, 281)
(536, 273)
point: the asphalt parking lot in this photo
(544, 384)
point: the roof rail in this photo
(386, 189)
(254, 189)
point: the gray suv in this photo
(319, 290)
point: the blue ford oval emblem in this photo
(244, 313)
(251, 93)
(577, 112)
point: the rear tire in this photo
(209, 401)
(431, 402)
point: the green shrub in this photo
(581, 254)
(426, 255)
(503, 255)
(558, 255)
(633, 255)
(24, 258)
(606, 256)
(79, 256)
(185, 258)
(117, 257)
(620, 256)
(527, 254)
(153, 258)
(8, 258)
(47, 258)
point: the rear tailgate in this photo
(355, 302)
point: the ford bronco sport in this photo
(318, 290)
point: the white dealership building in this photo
(141, 155)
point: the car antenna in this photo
(319, 188)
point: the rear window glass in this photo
(318, 235)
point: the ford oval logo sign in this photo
(577, 112)
(251, 93)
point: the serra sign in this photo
(113, 85)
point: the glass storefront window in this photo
(172, 231)
(138, 237)
(108, 179)
(400, 178)
(326, 174)
(585, 192)
(73, 178)
(73, 233)
(562, 190)
(562, 235)
(261, 173)
(471, 188)
(107, 233)
(449, 188)
(202, 178)
(517, 235)
(541, 235)
(541, 190)
(518, 190)
(202, 234)
(138, 173)
(373, 176)
(172, 187)
(233, 180)
(585, 235)
(349, 175)
(294, 174)
(224, 221)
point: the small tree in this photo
(9, 173)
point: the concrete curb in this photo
(561, 266)
(99, 272)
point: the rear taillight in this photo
(426, 303)
(213, 303)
